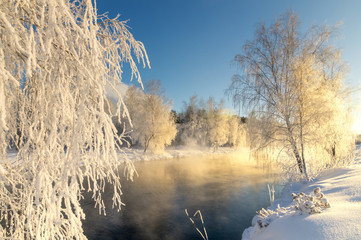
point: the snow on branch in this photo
(56, 58)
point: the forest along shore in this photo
(342, 189)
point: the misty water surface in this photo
(227, 190)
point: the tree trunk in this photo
(300, 161)
(297, 156)
(146, 144)
(303, 161)
(302, 146)
(333, 149)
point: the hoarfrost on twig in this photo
(56, 57)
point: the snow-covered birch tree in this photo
(153, 123)
(290, 82)
(218, 128)
(56, 58)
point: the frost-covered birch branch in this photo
(55, 61)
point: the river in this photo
(228, 190)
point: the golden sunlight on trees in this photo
(209, 124)
(192, 127)
(153, 124)
(218, 128)
(293, 83)
(237, 133)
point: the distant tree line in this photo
(153, 125)
(209, 124)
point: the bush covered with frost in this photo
(302, 204)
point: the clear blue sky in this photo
(191, 43)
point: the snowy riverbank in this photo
(177, 152)
(341, 187)
(135, 154)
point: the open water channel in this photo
(228, 190)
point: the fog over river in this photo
(228, 190)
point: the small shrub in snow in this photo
(302, 203)
(310, 203)
(266, 216)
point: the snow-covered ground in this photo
(341, 187)
(176, 152)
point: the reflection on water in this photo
(227, 190)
